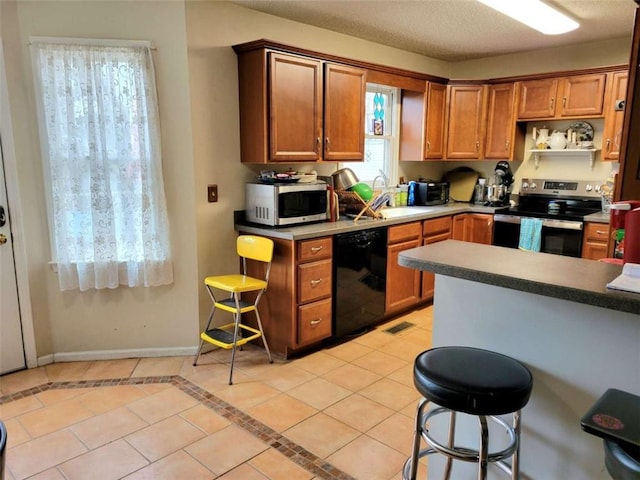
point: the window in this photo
(381, 136)
(101, 149)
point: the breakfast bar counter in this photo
(554, 314)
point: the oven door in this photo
(561, 237)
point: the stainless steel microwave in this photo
(280, 204)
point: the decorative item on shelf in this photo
(557, 140)
(580, 135)
(540, 138)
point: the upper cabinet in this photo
(435, 115)
(422, 122)
(504, 136)
(466, 125)
(299, 109)
(576, 96)
(614, 115)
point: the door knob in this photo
(3, 239)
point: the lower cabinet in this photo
(473, 227)
(595, 240)
(435, 230)
(296, 310)
(403, 284)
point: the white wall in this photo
(198, 87)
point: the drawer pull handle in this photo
(316, 249)
(316, 282)
(315, 322)
(601, 232)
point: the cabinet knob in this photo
(564, 101)
(552, 103)
(316, 282)
(318, 141)
(608, 144)
(315, 322)
(477, 145)
(506, 145)
(316, 249)
(326, 143)
(428, 146)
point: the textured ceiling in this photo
(452, 30)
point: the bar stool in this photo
(475, 382)
(236, 334)
(615, 418)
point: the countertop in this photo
(566, 278)
(599, 217)
(397, 216)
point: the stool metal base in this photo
(482, 456)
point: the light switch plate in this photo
(212, 193)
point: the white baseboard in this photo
(116, 354)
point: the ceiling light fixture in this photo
(534, 14)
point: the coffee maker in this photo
(499, 191)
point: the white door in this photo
(12, 355)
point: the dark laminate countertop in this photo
(566, 278)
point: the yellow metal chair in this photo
(232, 335)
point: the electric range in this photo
(560, 204)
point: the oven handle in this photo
(546, 222)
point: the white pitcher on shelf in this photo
(540, 138)
(557, 140)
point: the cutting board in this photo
(462, 182)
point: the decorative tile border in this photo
(297, 454)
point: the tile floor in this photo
(342, 412)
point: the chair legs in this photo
(237, 330)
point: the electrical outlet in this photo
(212, 193)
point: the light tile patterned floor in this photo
(339, 413)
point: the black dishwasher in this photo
(360, 275)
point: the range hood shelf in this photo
(589, 153)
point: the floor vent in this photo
(399, 327)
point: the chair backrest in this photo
(255, 248)
(3, 448)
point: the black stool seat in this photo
(472, 380)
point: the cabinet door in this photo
(581, 95)
(501, 122)
(403, 284)
(480, 228)
(613, 118)
(344, 97)
(435, 230)
(435, 117)
(465, 135)
(459, 227)
(537, 98)
(295, 106)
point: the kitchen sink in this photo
(397, 212)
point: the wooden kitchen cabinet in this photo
(575, 96)
(466, 123)
(613, 117)
(595, 240)
(296, 311)
(504, 135)
(298, 109)
(422, 123)
(435, 121)
(473, 227)
(403, 284)
(434, 230)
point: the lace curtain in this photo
(100, 138)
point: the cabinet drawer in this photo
(314, 321)
(314, 249)
(407, 231)
(596, 232)
(436, 226)
(314, 281)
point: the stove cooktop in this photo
(559, 199)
